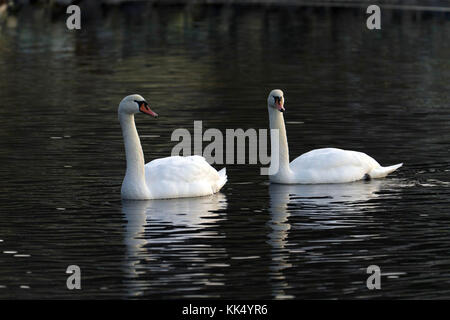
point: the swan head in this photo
(134, 104)
(276, 100)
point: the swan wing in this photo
(332, 165)
(178, 177)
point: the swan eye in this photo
(141, 102)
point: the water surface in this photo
(385, 93)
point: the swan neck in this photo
(134, 155)
(279, 145)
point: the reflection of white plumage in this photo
(324, 194)
(164, 224)
(191, 213)
(328, 165)
(171, 177)
(187, 213)
(323, 206)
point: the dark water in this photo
(383, 92)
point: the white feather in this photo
(181, 177)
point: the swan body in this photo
(326, 165)
(165, 178)
(181, 177)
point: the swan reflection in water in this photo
(158, 233)
(313, 207)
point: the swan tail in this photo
(382, 172)
(222, 179)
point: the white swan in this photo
(165, 178)
(327, 165)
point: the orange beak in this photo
(144, 108)
(280, 106)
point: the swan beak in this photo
(280, 107)
(144, 108)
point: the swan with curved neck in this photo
(327, 165)
(164, 178)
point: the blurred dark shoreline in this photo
(95, 9)
(418, 5)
